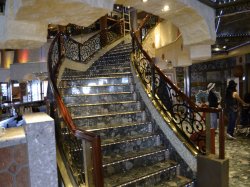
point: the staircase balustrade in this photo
(82, 52)
(182, 113)
(82, 149)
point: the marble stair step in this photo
(107, 73)
(126, 144)
(101, 70)
(103, 108)
(177, 181)
(112, 61)
(100, 98)
(114, 58)
(146, 176)
(121, 49)
(101, 80)
(114, 158)
(107, 131)
(96, 74)
(95, 89)
(99, 66)
(110, 118)
(116, 54)
(117, 163)
(118, 51)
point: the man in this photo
(212, 102)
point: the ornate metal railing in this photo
(181, 113)
(149, 22)
(80, 148)
(81, 52)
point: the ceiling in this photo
(232, 24)
(231, 21)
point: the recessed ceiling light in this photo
(165, 8)
(144, 1)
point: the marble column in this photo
(40, 134)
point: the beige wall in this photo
(165, 43)
(163, 34)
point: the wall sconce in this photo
(162, 56)
(169, 64)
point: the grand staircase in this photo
(104, 100)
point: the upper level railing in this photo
(182, 114)
(81, 52)
(82, 149)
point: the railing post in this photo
(133, 43)
(212, 140)
(221, 136)
(87, 163)
(79, 52)
(141, 35)
(103, 28)
(97, 158)
(59, 45)
(208, 133)
(153, 78)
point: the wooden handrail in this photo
(173, 86)
(53, 68)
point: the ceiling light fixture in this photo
(165, 8)
(216, 49)
(144, 1)
(169, 64)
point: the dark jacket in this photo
(212, 100)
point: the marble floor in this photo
(238, 152)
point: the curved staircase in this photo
(104, 100)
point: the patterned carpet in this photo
(238, 152)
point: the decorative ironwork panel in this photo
(189, 122)
(72, 50)
(72, 148)
(55, 55)
(89, 48)
(81, 52)
(111, 36)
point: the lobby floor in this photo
(238, 152)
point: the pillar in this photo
(40, 135)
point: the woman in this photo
(232, 101)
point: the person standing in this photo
(212, 102)
(232, 101)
